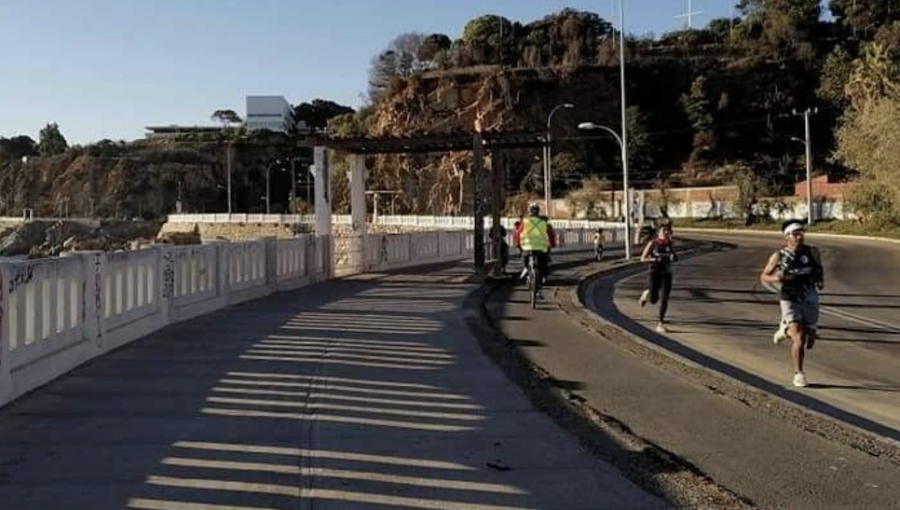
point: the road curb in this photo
(813, 421)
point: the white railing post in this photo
(165, 283)
(6, 390)
(93, 271)
(271, 247)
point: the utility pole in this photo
(808, 144)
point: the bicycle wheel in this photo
(535, 275)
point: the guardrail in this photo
(55, 314)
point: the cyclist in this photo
(536, 237)
(798, 268)
(599, 240)
(660, 253)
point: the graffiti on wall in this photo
(21, 276)
(168, 274)
(98, 297)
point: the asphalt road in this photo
(761, 457)
(720, 310)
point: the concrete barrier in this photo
(55, 314)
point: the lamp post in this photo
(269, 185)
(590, 126)
(624, 139)
(548, 161)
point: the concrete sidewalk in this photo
(363, 393)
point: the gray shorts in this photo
(805, 311)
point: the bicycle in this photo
(533, 279)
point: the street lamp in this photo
(548, 161)
(269, 186)
(590, 126)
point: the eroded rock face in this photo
(39, 239)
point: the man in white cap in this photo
(798, 269)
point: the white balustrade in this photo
(56, 314)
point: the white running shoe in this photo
(661, 328)
(780, 335)
(800, 380)
(645, 296)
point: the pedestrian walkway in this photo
(368, 392)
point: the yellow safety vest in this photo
(535, 235)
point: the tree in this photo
(486, 37)
(17, 147)
(226, 117)
(400, 60)
(317, 113)
(698, 110)
(587, 201)
(834, 77)
(665, 198)
(696, 106)
(432, 46)
(874, 76)
(750, 188)
(779, 29)
(867, 143)
(865, 17)
(52, 142)
(382, 75)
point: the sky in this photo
(108, 68)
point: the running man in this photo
(798, 269)
(660, 253)
(599, 240)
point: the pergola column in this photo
(358, 213)
(322, 174)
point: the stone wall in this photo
(237, 231)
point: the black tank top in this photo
(801, 272)
(662, 254)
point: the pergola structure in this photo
(359, 147)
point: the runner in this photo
(659, 253)
(798, 269)
(599, 240)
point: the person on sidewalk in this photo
(660, 254)
(797, 268)
(537, 237)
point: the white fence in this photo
(425, 222)
(55, 314)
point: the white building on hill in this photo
(269, 112)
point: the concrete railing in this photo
(432, 222)
(395, 251)
(56, 314)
